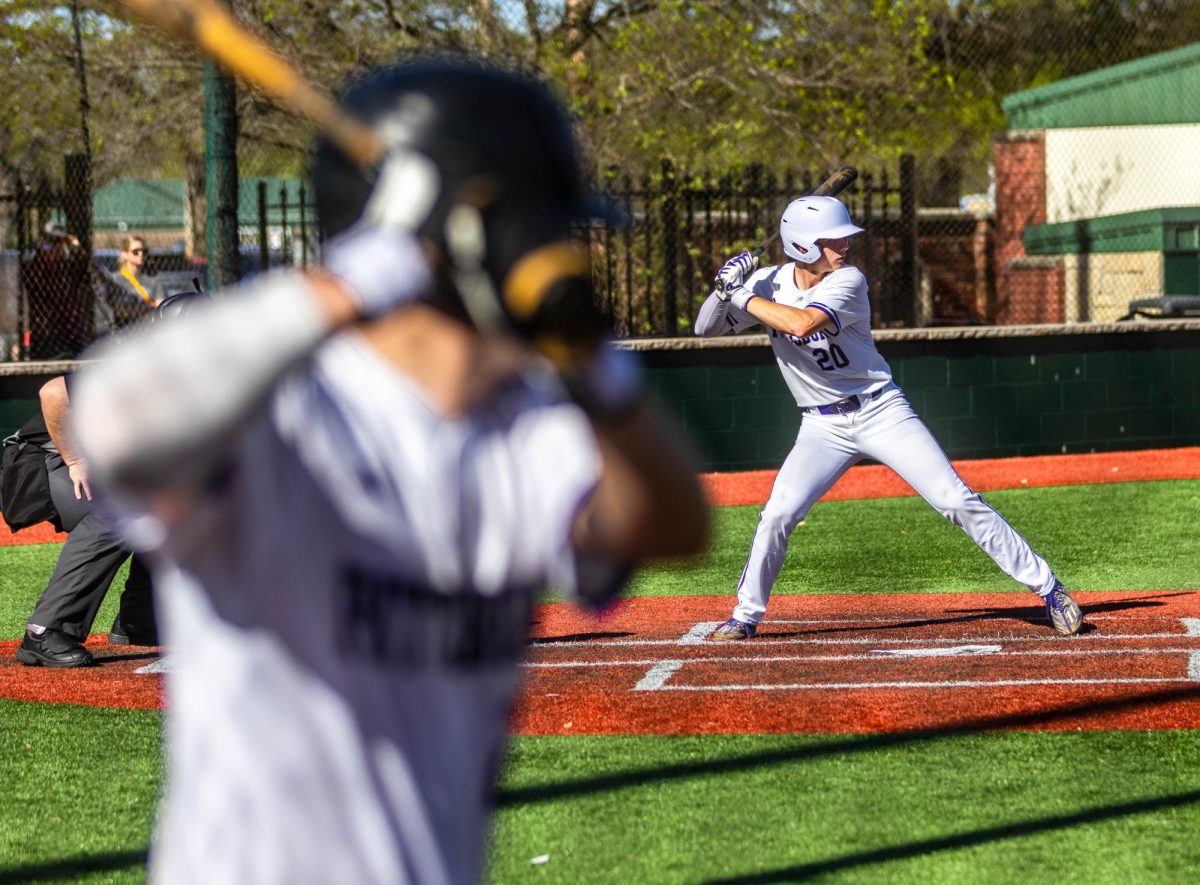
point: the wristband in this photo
(740, 297)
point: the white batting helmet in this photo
(809, 219)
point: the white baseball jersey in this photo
(821, 370)
(345, 621)
(830, 365)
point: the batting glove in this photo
(383, 269)
(733, 273)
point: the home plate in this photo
(162, 665)
(952, 651)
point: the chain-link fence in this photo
(1021, 163)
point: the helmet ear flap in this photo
(802, 251)
(548, 297)
(534, 283)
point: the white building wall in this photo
(1113, 280)
(1109, 170)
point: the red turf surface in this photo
(866, 664)
(821, 663)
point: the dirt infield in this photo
(821, 664)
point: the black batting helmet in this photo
(506, 157)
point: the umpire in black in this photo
(90, 559)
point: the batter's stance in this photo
(355, 481)
(816, 311)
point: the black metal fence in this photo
(58, 292)
(61, 285)
(653, 273)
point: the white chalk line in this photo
(761, 640)
(858, 686)
(878, 658)
(656, 678)
(698, 634)
(660, 671)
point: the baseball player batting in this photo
(354, 482)
(816, 311)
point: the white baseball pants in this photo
(889, 431)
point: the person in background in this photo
(133, 293)
(818, 315)
(56, 280)
(90, 559)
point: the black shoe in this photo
(126, 634)
(53, 649)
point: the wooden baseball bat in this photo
(830, 187)
(210, 26)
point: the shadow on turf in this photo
(1035, 614)
(962, 840)
(73, 868)
(580, 637)
(102, 658)
(851, 744)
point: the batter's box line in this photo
(657, 678)
(898, 656)
(700, 632)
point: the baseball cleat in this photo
(734, 629)
(1063, 611)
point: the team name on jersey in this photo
(392, 620)
(808, 339)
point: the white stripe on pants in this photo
(889, 431)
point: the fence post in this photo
(77, 197)
(220, 176)
(264, 247)
(670, 271)
(21, 346)
(908, 238)
(303, 196)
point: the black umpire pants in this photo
(86, 567)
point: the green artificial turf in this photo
(79, 783)
(1114, 807)
(1119, 536)
(79, 786)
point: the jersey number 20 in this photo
(830, 359)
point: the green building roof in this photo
(1175, 229)
(158, 204)
(1159, 89)
(138, 204)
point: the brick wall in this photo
(1026, 292)
(956, 266)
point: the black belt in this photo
(844, 406)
